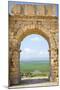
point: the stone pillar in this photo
(49, 61)
(54, 65)
(14, 67)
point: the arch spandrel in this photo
(32, 27)
(27, 32)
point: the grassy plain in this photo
(41, 68)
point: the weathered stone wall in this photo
(33, 9)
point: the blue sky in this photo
(34, 47)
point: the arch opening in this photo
(34, 58)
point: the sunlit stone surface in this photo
(32, 19)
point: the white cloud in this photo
(43, 53)
(35, 39)
(29, 53)
(27, 49)
(40, 53)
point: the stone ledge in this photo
(33, 16)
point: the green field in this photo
(32, 66)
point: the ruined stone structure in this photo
(32, 19)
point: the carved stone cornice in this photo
(33, 16)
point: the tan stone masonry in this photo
(21, 26)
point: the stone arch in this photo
(32, 29)
(24, 29)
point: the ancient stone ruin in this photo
(32, 19)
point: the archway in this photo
(34, 59)
(31, 27)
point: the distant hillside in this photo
(29, 66)
(34, 61)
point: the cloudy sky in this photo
(34, 47)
